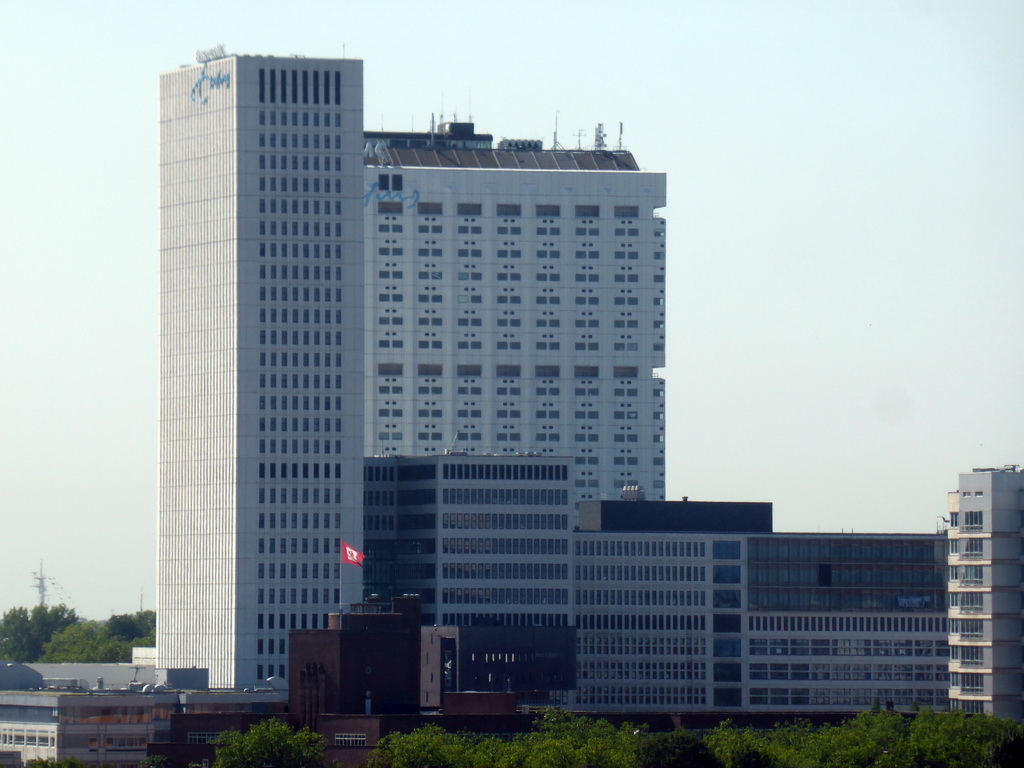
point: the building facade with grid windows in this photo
(261, 394)
(483, 540)
(516, 303)
(699, 606)
(986, 516)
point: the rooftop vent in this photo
(532, 145)
(633, 493)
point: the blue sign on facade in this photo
(409, 199)
(207, 82)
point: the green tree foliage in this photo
(102, 641)
(882, 739)
(675, 749)
(429, 745)
(563, 740)
(24, 632)
(559, 740)
(137, 629)
(67, 762)
(88, 641)
(269, 743)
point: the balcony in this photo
(971, 635)
(971, 609)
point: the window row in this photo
(505, 595)
(513, 210)
(501, 546)
(299, 496)
(304, 571)
(618, 573)
(513, 371)
(651, 597)
(627, 643)
(486, 571)
(506, 521)
(548, 497)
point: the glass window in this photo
(725, 574)
(725, 550)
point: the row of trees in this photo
(563, 740)
(57, 634)
(881, 739)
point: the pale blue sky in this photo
(846, 238)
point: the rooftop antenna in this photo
(599, 136)
(471, 105)
(554, 142)
(40, 583)
(619, 148)
(579, 138)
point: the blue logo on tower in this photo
(207, 82)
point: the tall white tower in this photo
(261, 388)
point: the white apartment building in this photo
(515, 303)
(986, 516)
(261, 381)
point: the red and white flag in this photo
(351, 555)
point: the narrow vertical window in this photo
(262, 78)
(284, 87)
(273, 87)
(305, 86)
(295, 86)
(316, 86)
(327, 87)
(337, 87)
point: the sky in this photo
(845, 238)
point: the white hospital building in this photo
(327, 292)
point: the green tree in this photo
(269, 743)
(67, 762)
(564, 740)
(559, 740)
(136, 629)
(87, 641)
(24, 632)
(741, 748)
(429, 745)
(676, 749)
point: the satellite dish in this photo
(277, 683)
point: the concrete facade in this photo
(261, 400)
(985, 596)
(516, 303)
